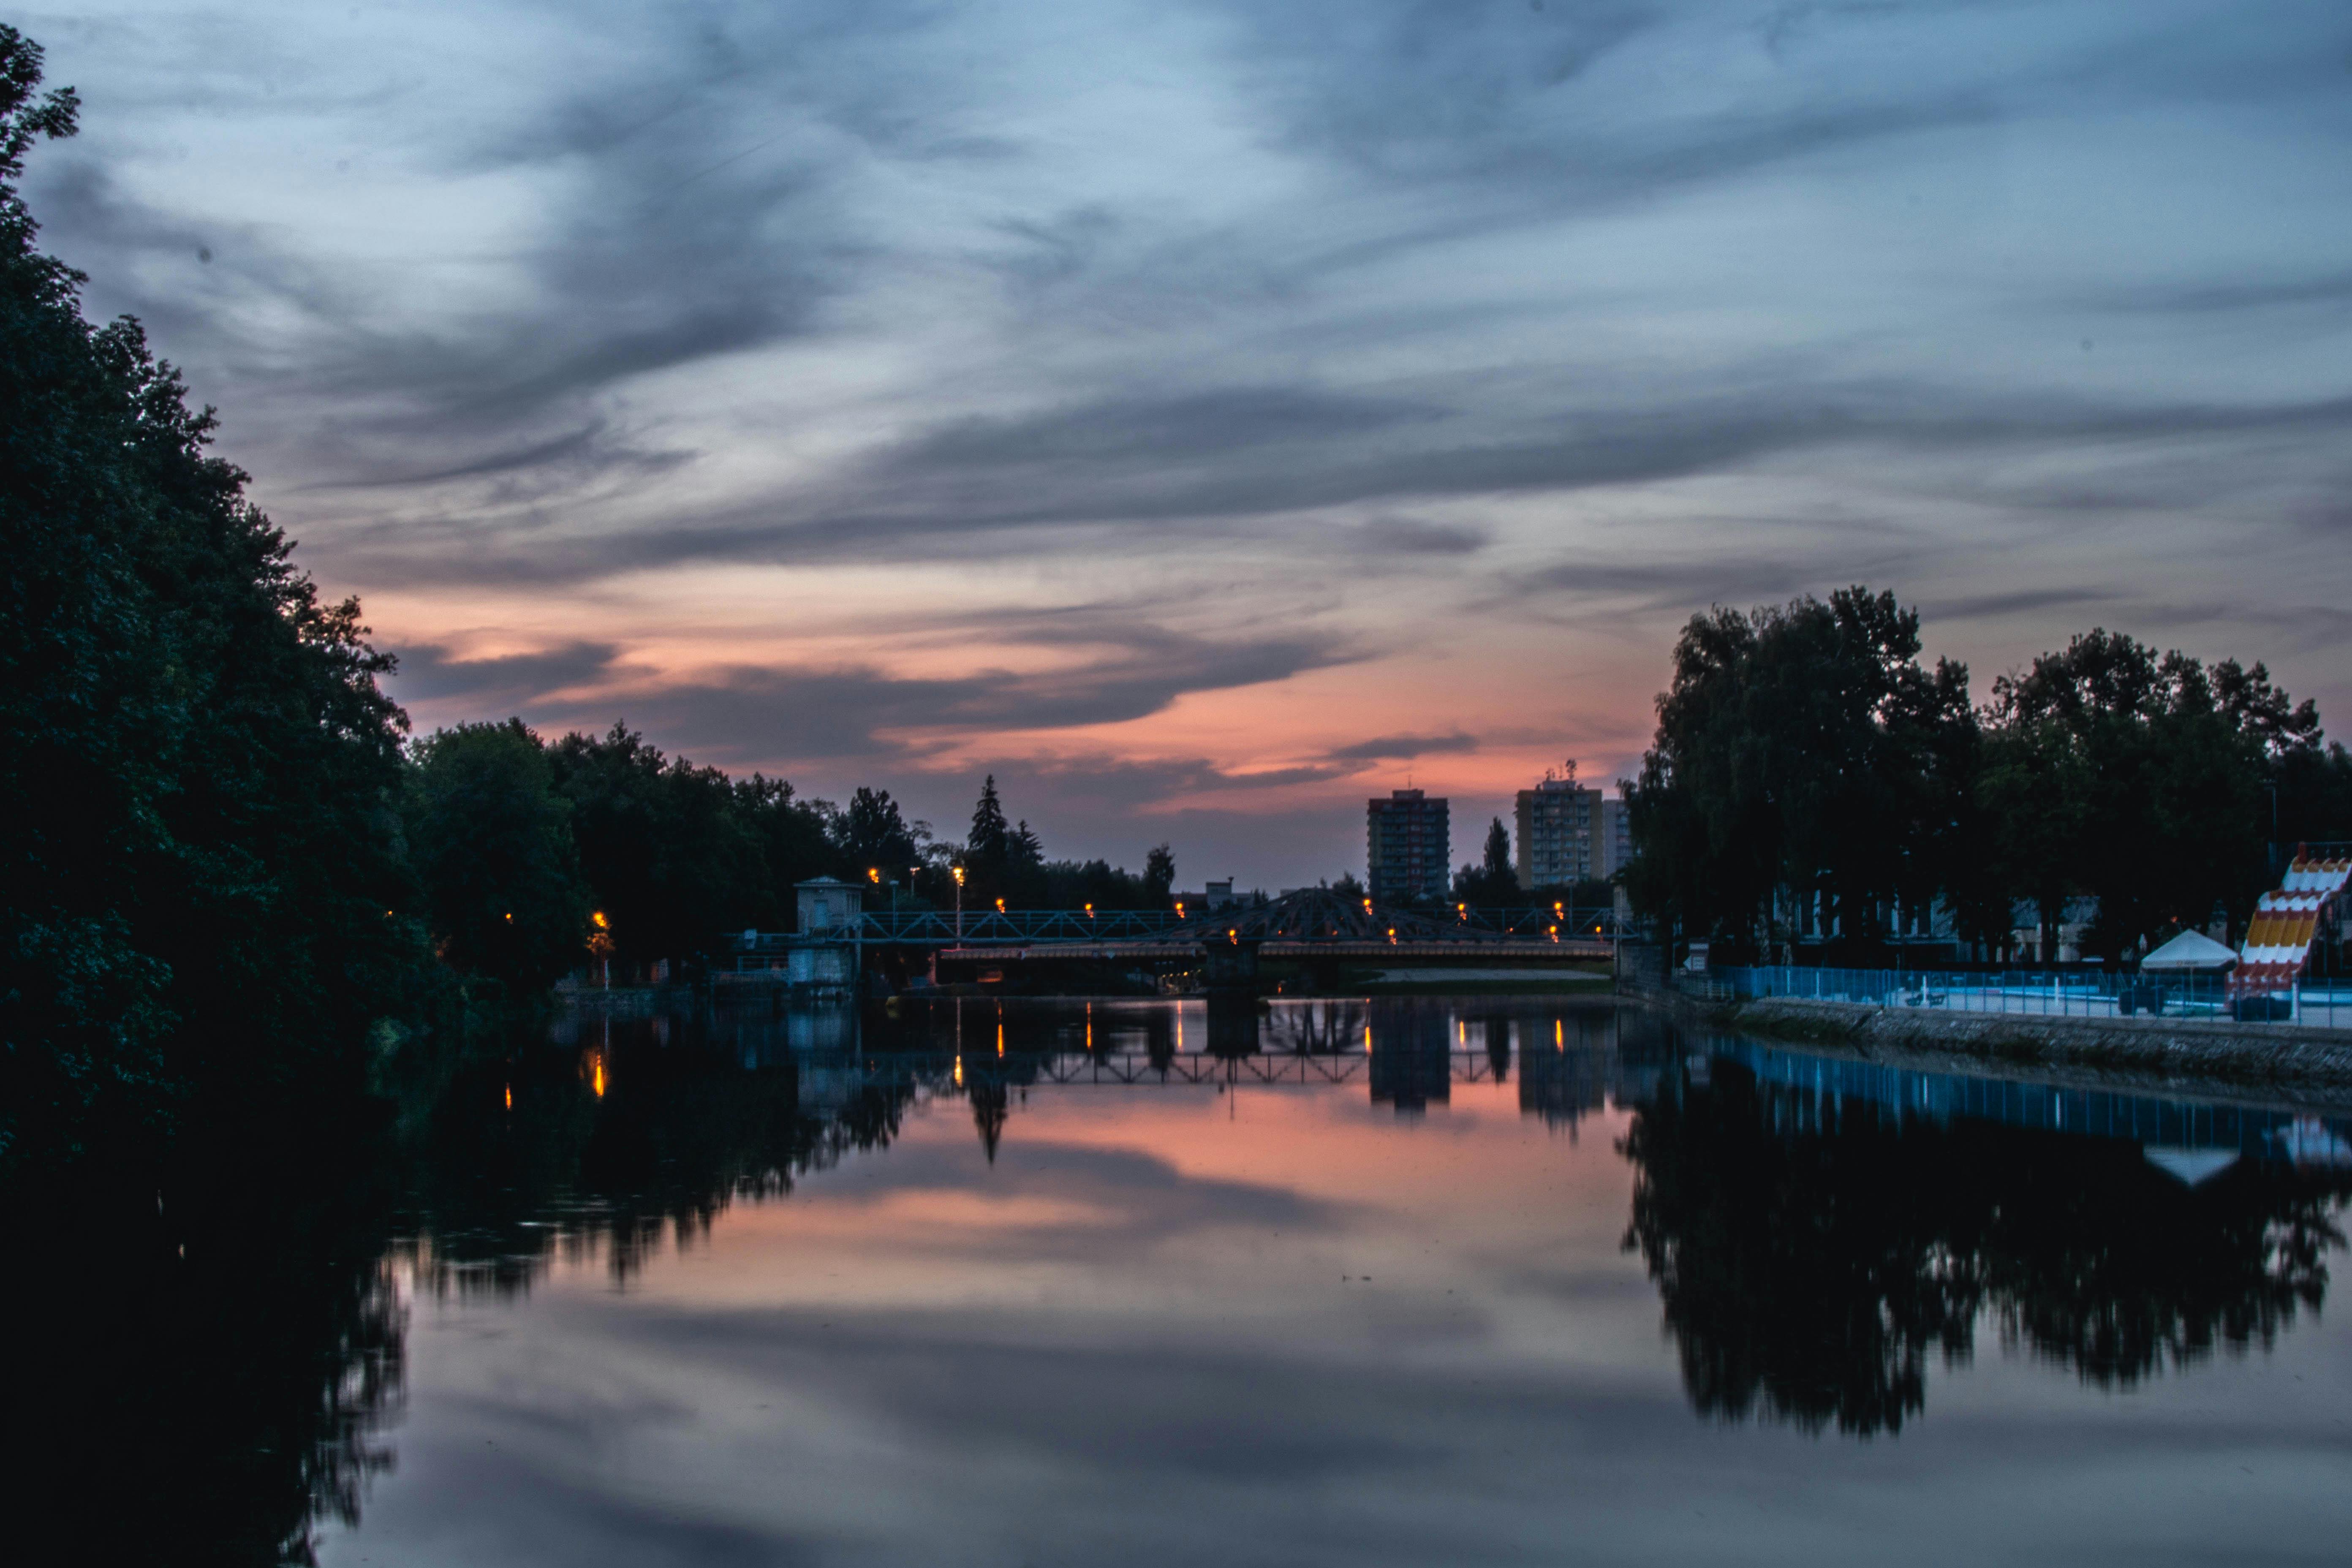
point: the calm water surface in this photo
(1491, 1280)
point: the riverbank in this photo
(2161, 1052)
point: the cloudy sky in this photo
(1204, 415)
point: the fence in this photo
(2091, 993)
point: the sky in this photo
(1204, 415)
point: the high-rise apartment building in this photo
(1407, 847)
(1569, 833)
(1616, 837)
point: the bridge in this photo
(1312, 923)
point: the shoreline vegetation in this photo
(1813, 782)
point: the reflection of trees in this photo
(520, 1162)
(1812, 1256)
(991, 1106)
(204, 1352)
(1316, 1029)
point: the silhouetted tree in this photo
(200, 874)
(667, 853)
(873, 835)
(1802, 753)
(1492, 881)
(2154, 796)
(491, 842)
(990, 834)
(794, 837)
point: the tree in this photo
(990, 836)
(1492, 881)
(198, 802)
(491, 842)
(2154, 780)
(794, 837)
(1159, 874)
(668, 854)
(873, 835)
(1805, 766)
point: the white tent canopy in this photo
(2189, 951)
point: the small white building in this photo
(829, 904)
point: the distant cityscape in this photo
(1565, 833)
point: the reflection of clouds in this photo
(837, 1374)
(1055, 1201)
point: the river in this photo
(1490, 1280)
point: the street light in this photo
(959, 881)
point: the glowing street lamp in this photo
(959, 881)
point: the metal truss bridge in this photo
(1313, 920)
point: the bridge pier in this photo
(1230, 966)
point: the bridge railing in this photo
(981, 927)
(991, 927)
(1537, 920)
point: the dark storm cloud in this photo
(1492, 95)
(1412, 536)
(1211, 462)
(702, 204)
(696, 216)
(1390, 747)
(559, 460)
(428, 673)
(2332, 289)
(2020, 602)
(1135, 668)
(1676, 583)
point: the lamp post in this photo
(959, 881)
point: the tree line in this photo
(529, 855)
(1811, 776)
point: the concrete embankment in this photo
(2163, 1050)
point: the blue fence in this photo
(2077, 994)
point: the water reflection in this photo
(1814, 1250)
(516, 1167)
(207, 1354)
(1821, 1234)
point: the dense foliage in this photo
(198, 813)
(529, 851)
(1491, 880)
(1810, 775)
